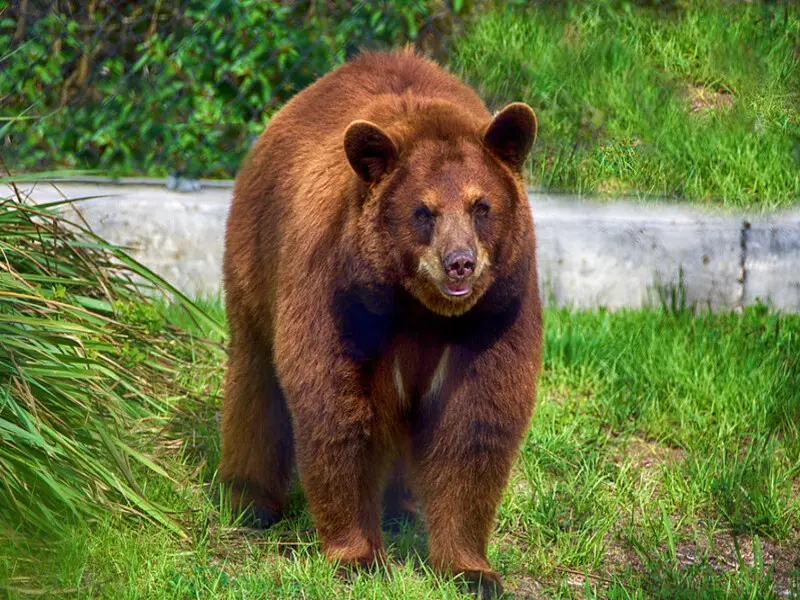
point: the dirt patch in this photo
(563, 393)
(723, 554)
(572, 35)
(234, 546)
(525, 586)
(620, 557)
(648, 459)
(705, 100)
(729, 554)
(645, 454)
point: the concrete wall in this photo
(590, 253)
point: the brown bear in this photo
(385, 322)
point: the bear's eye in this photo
(423, 215)
(481, 208)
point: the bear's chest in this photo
(418, 370)
(411, 374)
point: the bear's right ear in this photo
(371, 152)
(511, 134)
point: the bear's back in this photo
(375, 86)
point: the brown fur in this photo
(345, 353)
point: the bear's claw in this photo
(259, 518)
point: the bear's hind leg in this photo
(257, 444)
(399, 505)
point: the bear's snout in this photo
(459, 264)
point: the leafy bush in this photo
(88, 368)
(171, 85)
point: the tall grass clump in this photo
(89, 370)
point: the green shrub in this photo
(89, 369)
(172, 85)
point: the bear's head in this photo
(443, 207)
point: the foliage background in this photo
(170, 85)
(693, 100)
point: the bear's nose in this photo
(459, 264)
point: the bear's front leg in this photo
(341, 456)
(466, 440)
(342, 466)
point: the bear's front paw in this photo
(485, 585)
(259, 518)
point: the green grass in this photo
(663, 461)
(88, 368)
(698, 102)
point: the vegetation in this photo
(689, 99)
(696, 100)
(170, 85)
(88, 369)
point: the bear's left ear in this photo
(370, 151)
(511, 134)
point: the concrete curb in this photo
(590, 253)
(171, 183)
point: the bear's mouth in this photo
(457, 290)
